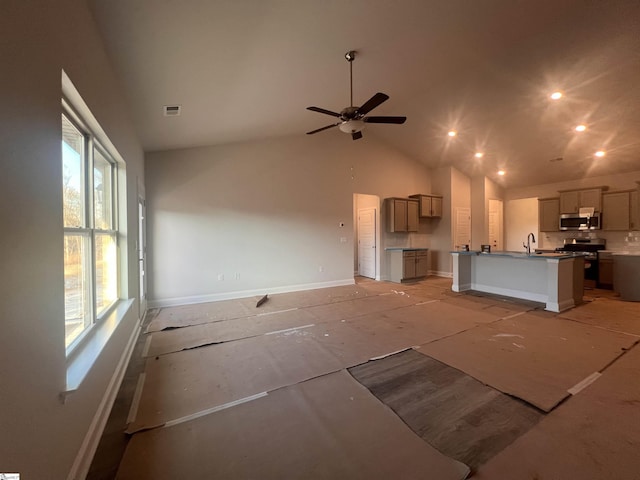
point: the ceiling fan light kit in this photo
(353, 119)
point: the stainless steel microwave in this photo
(578, 221)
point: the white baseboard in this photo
(215, 297)
(82, 463)
(441, 274)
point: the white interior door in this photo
(142, 254)
(495, 224)
(462, 227)
(367, 242)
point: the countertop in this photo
(405, 249)
(532, 256)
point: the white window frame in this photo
(88, 229)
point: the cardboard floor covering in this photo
(533, 358)
(177, 339)
(183, 383)
(594, 435)
(196, 314)
(326, 428)
(611, 314)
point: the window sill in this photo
(83, 358)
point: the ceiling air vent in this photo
(172, 110)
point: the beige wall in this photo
(264, 216)
(41, 436)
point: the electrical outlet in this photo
(237, 276)
(220, 277)
(343, 239)
(321, 268)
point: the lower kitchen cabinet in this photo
(408, 264)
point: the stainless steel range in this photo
(589, 247)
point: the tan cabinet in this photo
(548, 214)
(634, 210)
(573, 200)
(402, 215)
(422, 263)
(408, 264)
(430, 205)
(615, 211)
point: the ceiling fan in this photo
(353, 119)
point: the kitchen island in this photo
(555, 279)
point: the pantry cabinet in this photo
(549, 214)
(402, 215)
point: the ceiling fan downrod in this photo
(350, 56)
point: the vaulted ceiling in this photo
(245, 70)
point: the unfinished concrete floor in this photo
(228, 390)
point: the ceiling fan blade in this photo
(322, 110)
(323, 128)
(356, 135)
(372, 103)
(397, 120)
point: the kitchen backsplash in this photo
(615, 240)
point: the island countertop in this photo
(405, 249)
(523, 255)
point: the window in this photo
(90, 233)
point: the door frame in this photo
(363, 200)
(141, 255)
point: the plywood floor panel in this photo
(326, 428)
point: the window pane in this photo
(102, 191)
(77, 307)
(106, 271)
(72, 174)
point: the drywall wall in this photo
(455, 189)
(41, 436)
(263, 217)
(521, 218)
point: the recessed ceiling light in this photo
(556, 96)
(452, 133)
(501, 172)
(580, 128)
(479, 155)
(600, 153)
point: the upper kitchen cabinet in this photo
(430, 205)
(572, 201)
(402, 214)
(548, 214)
(615, 211)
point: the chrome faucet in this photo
(531, 238)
